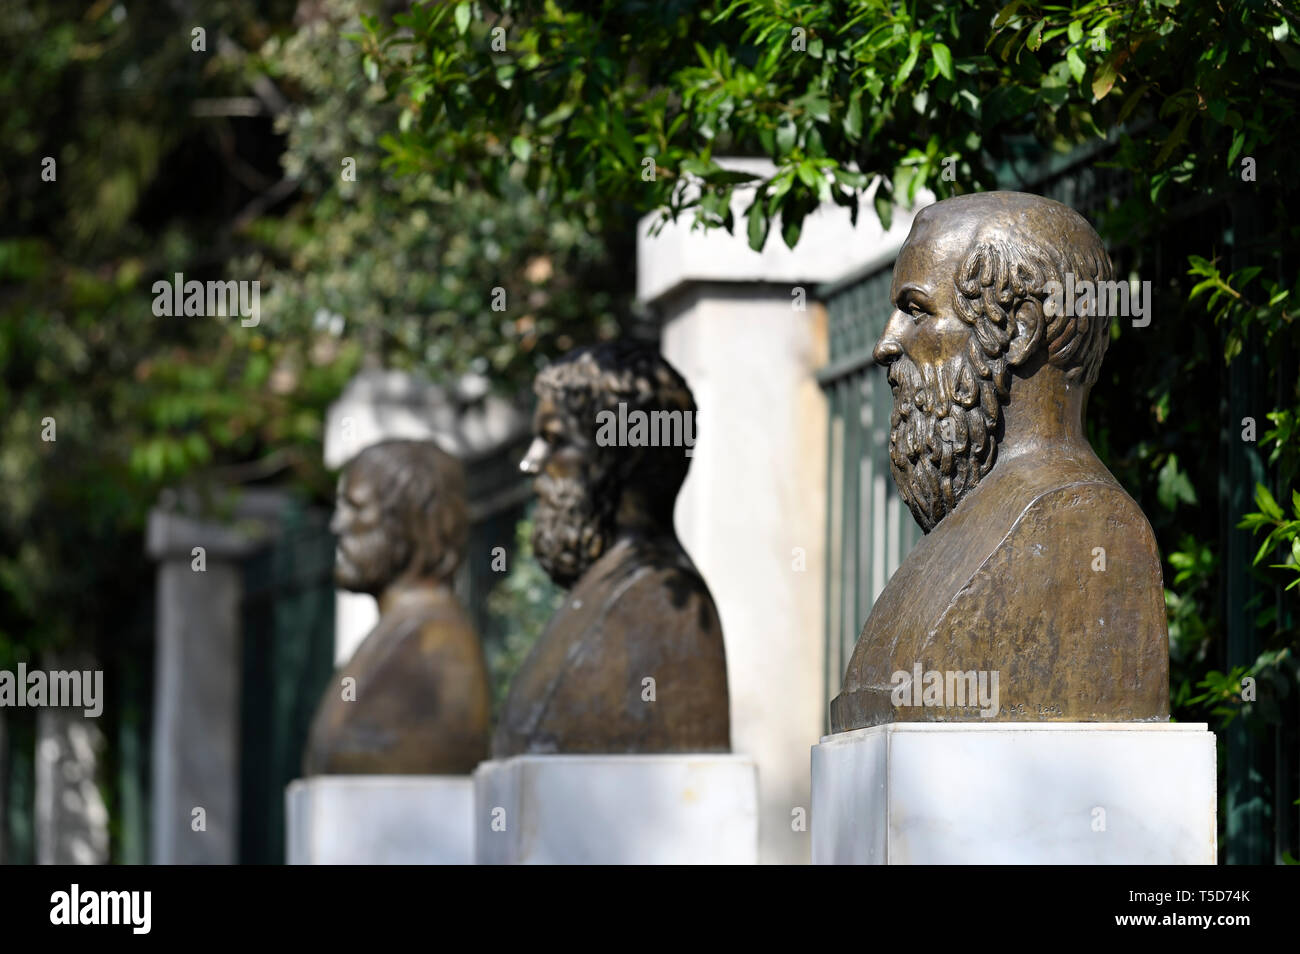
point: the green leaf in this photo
(759, 225)
(809, 175)
(1265, 502)
(818, 107)
(913, 53)
(699, 167)
(855, 180)
(1263, 550)
(1076, 64)
(1173, 485)
(559, 115)
(1075, 31)
(853, 119)
(719, 176)
(884, 203)
(1237, 142)
(942, 59)
(1104, 79)
(781, 185)
(792, 217)
(1035, 38)
(785, 137)
(1006, 13)
(463, 13)
(521, 147)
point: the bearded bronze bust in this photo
(418, 703)
(1036, 565)
(633, 660)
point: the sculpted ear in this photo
(1027, 333)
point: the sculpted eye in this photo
(914, 302)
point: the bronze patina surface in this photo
(638, 609)
(421, 701)
(1036, 565)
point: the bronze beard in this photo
(367, 561)
(943, 431)
(573, 524)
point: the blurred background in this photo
(382, 203)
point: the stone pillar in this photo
(71, 818)
(197, 675)
(745, 331)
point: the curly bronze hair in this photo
(1002, 291)
(598, 378)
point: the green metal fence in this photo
(288, 658)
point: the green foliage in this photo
(522, 604)
(1225, 694)
(1283, 533)
(157, 175)
(406, 266)
(835, 94)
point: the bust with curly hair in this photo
(633, 661)
(1036, 566)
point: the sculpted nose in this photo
(889, 346)
(536, 456)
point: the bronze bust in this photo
(633, 660)
(1036, 566)
(418, 701)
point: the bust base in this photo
(1016, 793)
(617, 809)
(380, 820)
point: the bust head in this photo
(588, 491)
(606, 485)
(423, 703)
(400, 516)
(972, 331)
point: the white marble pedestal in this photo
(616, 809)
(1015, 793)
(380, 820)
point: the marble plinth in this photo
(1015, 793)
(380, 820)
(616, 809)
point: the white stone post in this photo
(71, 818)
(746, 331)
(197, 677)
